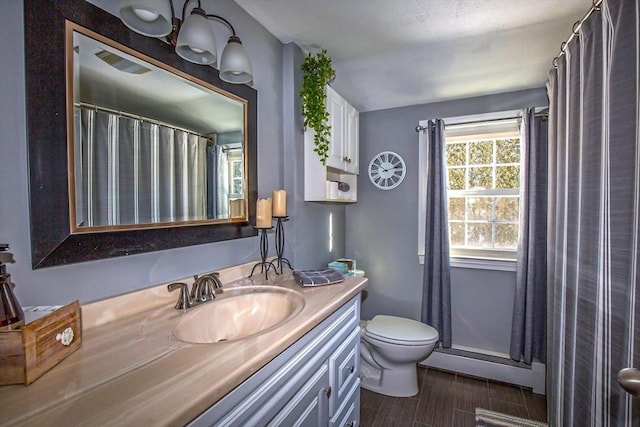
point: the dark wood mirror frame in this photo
(51, 240)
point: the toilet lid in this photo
(401, 329)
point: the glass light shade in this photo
(147, 17)
(235, 66)
(196, 42)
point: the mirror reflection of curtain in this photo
(134, 172)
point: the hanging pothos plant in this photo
(318, 72)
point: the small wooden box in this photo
(29, 352)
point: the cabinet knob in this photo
(351, 368)
(345, 159)
(327, 391)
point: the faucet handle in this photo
(217, 283)
(184, 299)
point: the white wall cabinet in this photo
(351, 145)
(337, 109)
(313, 383)
(342, 158)
(343, 118)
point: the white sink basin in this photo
(239, 313)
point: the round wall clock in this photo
(387, 170)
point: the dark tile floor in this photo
(449, 400)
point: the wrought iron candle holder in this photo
(264, 249)
(280, 261)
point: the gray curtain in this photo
(593, 221)
(436, 282)
(131, 171)
(528, 329)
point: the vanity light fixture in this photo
(192, 36)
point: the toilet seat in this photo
(400, 331)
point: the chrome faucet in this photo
(203, 290)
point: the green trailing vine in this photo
(318, 72)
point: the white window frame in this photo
(475, 262)
(231, 161)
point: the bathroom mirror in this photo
(149, 146)
(131, 149)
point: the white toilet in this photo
(391, 348)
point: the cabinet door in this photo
(344, 367)
(349, 413)
(309, 407)
(336, 107)
(351, 141)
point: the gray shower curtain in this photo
(132, 171)
(436, 281)
(594, 220)
(528, 328)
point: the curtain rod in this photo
(138, 117)
(574, 30)
(502, 119)
(543, 114)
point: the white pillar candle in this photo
(263, 214)
(279, 203)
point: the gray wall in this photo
(381, 229)
(310, 221)
(95, 280)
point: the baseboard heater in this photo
(489, 366)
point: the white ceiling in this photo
(156, 94)
(391, 53)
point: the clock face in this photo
(387, 170)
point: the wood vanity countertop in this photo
(131, 372)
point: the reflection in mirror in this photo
(150, 147)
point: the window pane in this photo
(456, 208)
(480, 208)
(506, 236)
(479, 178)
(456, 154)
(456, 179)
(508, 150)
(481, 153)
(237, 169)
(479, 235)
(456, 234)
(507, 208)
(237, 186)
(508, 177)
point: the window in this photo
(236, 175)
(483, 191)
(483, 159)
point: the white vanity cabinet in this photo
(314, 382)
(342, 158)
